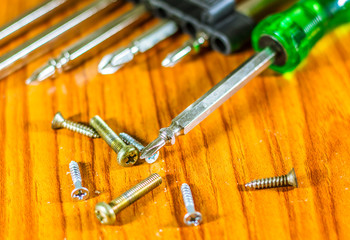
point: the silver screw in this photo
(282, 181)
(79, 193)
(132, 141)
(192, 217)
(59, 122)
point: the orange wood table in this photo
(299, 120)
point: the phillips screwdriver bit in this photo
(255, 9)
(28, 20)
(90, 45)
(58, 34)
(291, 33)
(113, 62)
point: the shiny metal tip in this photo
(167, 62)
(113, 62)
(43, 73)
(152, 148)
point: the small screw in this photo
(282, 181)
(106, 212)
(127, 154)
(59, 122)
(79, 193)
(132, 141)
(192, 217)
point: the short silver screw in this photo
(59, 122)
(282, 181)
(132, 141)
(192, 217)
(79, 193)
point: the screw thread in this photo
(281, 181)
(131, 141)
(136, 192)
(75, 172)
(112, 139)
(187, 197)
(80, 128)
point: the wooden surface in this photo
(298, 120)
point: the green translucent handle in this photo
(298, 29)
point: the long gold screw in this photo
(282, 181)
(106, 212)
(127, 154)
(59, 122)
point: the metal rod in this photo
(90, 45)
(58, 34)
(35, 16)
(210, 101)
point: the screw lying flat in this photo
(59, 122)
(79, 193)
(132, 141)
(106, 212)
(127, 154)
(192, 217)
(282, 181)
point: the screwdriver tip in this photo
(152, 148)
(43, 73)
(113, 62)
(167, 62)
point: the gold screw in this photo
(59, 122)
(127, 154)
(282, 181)
(106, 212)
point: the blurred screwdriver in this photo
(90, 45)
(58, 34)
(113, 62)
(255, 9)
(282, 40)
(35, 16)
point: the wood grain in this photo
(276, 122)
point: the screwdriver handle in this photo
(294, 32)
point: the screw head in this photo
(292, 178)
(80, 194)
(128, 156)
(193, 219)
(105, 213)
(57, 121)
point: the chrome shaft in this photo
(35, 16)
(90, 45)
(210, 101)
(58, 34)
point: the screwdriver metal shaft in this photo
(35, 16)
(58, 34)
(90, 45)
(113, 62)
(210, 101)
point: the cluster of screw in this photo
(128, 150)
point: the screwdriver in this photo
(114, 61)
(90, 45)
(254, 9)
(33, 17)
(282, 41)
(58, 34)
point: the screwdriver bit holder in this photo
(217, 18)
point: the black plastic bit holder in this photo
(228, 30)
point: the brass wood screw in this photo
(59, 122)
(127, 154)
(282, 181)
(106, 212)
